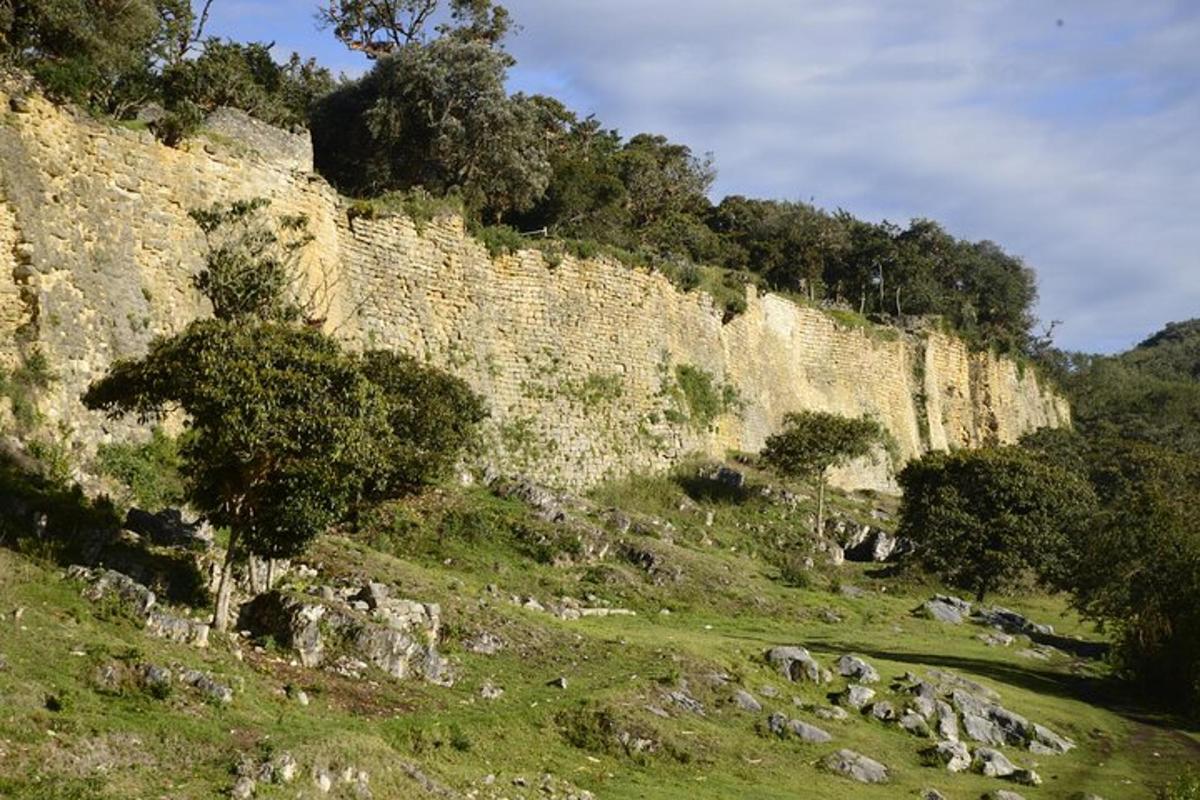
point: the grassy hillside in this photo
(708, 600)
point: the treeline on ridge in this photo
(433, 114)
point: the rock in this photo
(1015, 728)
(1003, 794)
(997, 639)
(725, 476)
(856, 696)
(156, 679)
(746, 701)
(489, 691)
(284, 767)
(992, 763)
(777, 724)
(1050, 740)
(797, 664)
(107, 583)
(852, 592)
(854, 667)
(915, 724)
(947, 721)
(18, 104)
(203, 682)
(808, 733)
(177, 629)
(856, 766)
(374, 595)
(875, 545)
(243, 789)
(831, 713)
(544, 502)
(932, 794)
(945, 608)
(883, 711)
(485, 643)
(169, 529)
(558, 683)
(768, 691)
(923, 706)
(1007, 620)
(981, 729)
(681, 698)
(1026, 777)
(322, 780)
(954, 755)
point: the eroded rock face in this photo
(797, 664)
(398, 636)
(854, 667)
(856, 766)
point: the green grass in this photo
(727, 607)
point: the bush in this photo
(150, 471)
(986, 519)
(1185, 787)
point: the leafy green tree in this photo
(812, 442)
(285, 430)
(433, 417)
(986, 519)
(437, 116)
(382, 27)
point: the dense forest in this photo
(433, 116)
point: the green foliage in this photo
(1185, 787)
(245, 76)
(811, 442)
(703, 398)
(151, 470)
(988, 519)
(249, 269)
(433, 418)
(500, 240)
(417, 204)
(22, 386)
(379, 28)
(438, 116)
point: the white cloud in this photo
(1071, 145)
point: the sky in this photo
(1067, 131)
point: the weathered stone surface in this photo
(915, 724)
(808, 733)
(945, 608)
(746, 701)
(1003, 794)
(956, 756)
(1050, 740)
(168, 528)
(797, 664)
(992, 763)
(854, 667)
(856, 696)
(831, 713)
(399, 637)
(110, 262)
(107, 583)
(883, 711)
(857, 766)
(210, 688)
(177, 629)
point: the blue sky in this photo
(1074, 145)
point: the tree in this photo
(437, 116)
(811, 442)
(432, 416)
(985, 519)
(285, 430)
(382, 27)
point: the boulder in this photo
(932, 794)
(177, 629)
(856, 696)
(1026, 777)
(1050, 741)
(854, 667)
(1002, 794)
(992, 763)
(954, 755)
(854, 765)
(947, 721)
(808, 733)
(374, 595)
(981, 729)
(1008, 620)
(883, 711)
(110, 584)
(946, 608)
(831, 713)
(797, 664)
(915, 724)
(746, 701)
(547, 505)
(206, 685)
(484, 643)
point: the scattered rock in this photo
(856, 696)
(489, 691)
(996, 639)
(808, 733)
(243, 789)
(1007, 620)
(203, 682)
(992, 763)
(681, 698)
(156, 679)
(854, 667)
(797, 664)
(1050, 741)
(831, 713)
(168, 528)
(547, 505)
(945, 608)
(954, 755)
(1026, 777)
(883, 711)
(915, 724)
(856, 766)
(932, 794)
(107, 583)
(375, 595)
(177, 629)
(485, 643)
(1002, 794)
(947, 721)
(746, 701)
(558, 683)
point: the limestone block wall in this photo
(581, 361)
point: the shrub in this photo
(150, 470)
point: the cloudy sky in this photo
(1066, 130)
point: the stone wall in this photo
(584, 362)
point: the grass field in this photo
(715, 606)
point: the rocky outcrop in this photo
(395, 635)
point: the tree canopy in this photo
(992, 518)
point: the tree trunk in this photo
(254, 563)
(820, 506)
(220, 621)
(270, 573)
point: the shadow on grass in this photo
(51, 522)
